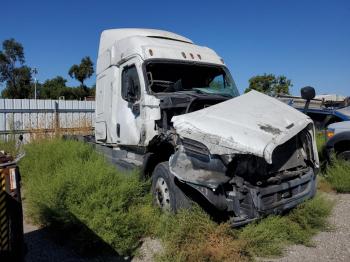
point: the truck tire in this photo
(166, 194)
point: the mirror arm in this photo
(307, 103)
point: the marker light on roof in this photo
(150, 52)
(183, 54)
(222, 61)
(191, 55)
(199, 56)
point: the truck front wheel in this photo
(166, 194)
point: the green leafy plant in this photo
(71, 188)
(338, 175)
(68, 184)
(269, 236)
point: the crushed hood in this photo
(252, 123)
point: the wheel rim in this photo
(162, 194)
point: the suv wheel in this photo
(344, 155)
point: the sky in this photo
(306, 40)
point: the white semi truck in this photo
(171, 108)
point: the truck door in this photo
(129, 115)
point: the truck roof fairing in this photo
(111, 36)
(117, 45)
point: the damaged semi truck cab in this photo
(172, 108)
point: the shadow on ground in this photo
(73, 243)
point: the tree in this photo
(53, 88)
(82, 71)
(93, 90)
(269, 84)
(56, 87)
(13, 72)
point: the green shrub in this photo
(191, 235)
(323, 184)
(68, 184)
(338, 175)
(269, 236)
(70, 187)
(312, 215)
(320, 141)
(10, 145)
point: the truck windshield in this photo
(165, 77)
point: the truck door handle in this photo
(118, 129)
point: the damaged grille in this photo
(270, 199)
(196, 148)
(289, 160)
(288, 155)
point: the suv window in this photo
(131, 90)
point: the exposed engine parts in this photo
(246, 185)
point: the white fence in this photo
(26, 116)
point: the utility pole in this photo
(35, 72)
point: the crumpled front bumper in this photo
(276, 199)
(241, 200)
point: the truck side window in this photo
(131, 90)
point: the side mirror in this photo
(308, 92)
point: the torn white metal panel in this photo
(150, 107)
(252, 123)
(183, 167)
(314, 146)
(150, 112)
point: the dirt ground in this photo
(328, 246)
(42, 248)
(333, 245)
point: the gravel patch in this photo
(333, 245)
(148, 249)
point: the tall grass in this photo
(270, 236)
(9, 145)
(191, 235)
(334, 175)
(67, 184)
(320, 142)
(338, 175)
